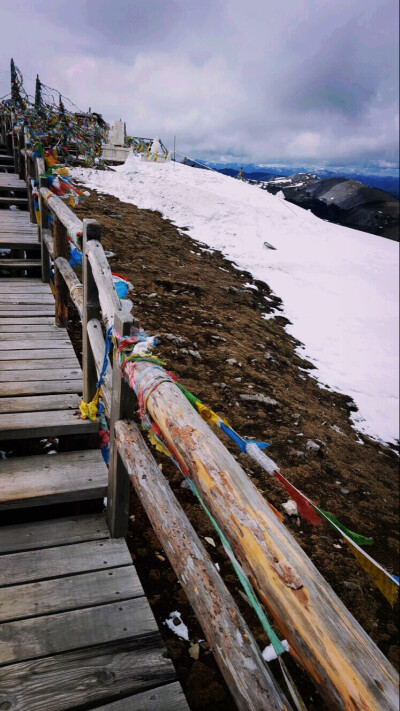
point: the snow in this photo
(339, 286)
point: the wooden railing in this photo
(348, 669)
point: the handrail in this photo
(348, 669)
(71, 222)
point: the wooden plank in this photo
(70, 362)
(10, 241)
(31, 299)
(40, 387)
(87, 677)
(62, 632)
(19, 309)
(34, 344)
(21, 376)
(65, 560)
(22, 425)
(48, 534)
(13, 201)
(50, 333)
(165, 698)
(20, 280)
(44, 479)
(70, 593)
(16, 331)
(38, 403)
(29, 321)
(39, 354)
(19, 263)
(18, 286)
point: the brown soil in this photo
(197, 296)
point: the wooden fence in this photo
(348, 669)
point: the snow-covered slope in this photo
(339, 286)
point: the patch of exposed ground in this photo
(212, 335)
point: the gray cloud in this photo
(302, 80)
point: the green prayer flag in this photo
(356, 537)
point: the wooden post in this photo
(246, 674)
(91, 310)
(44, 214)
(21, 156)
(122, 405)
(349, 670)
(15, 151)
(61, 290)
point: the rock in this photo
(194, 354)
(232, 361)
(296, 416)
(185, 484)
(291, 508)
(345, 491)
(297, 453)
(152, 296)
(223, 386)
(312, 446)
(218, 338)
(258, 397)
(174, 339)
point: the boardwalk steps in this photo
(76, 630)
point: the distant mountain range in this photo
(251, 171)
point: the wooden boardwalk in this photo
(76, 630)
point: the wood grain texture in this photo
(237, 654)
(165, 698)
(68, 560)
(47, 333)
(85, 677)
(68, 218)
(64, 631)
(41, 354)
(38, 403)
(23, 322)
(101, 271)
(48, 534)
(34, 343)
(324, 637)
(39, 387)
(44, 424)
(52, 479)
(69, 363)
(16, 331)
(69, 593)
(23, 264)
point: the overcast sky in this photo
(260, 80)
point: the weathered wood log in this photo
(75, 287)
(97, 346)
(101, 271)
(48, 241)
(349, 670)
(91, 310)
(60, 287)
(71, 222)
(246, 674)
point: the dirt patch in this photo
(212, 335)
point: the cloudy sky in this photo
(309, 81)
